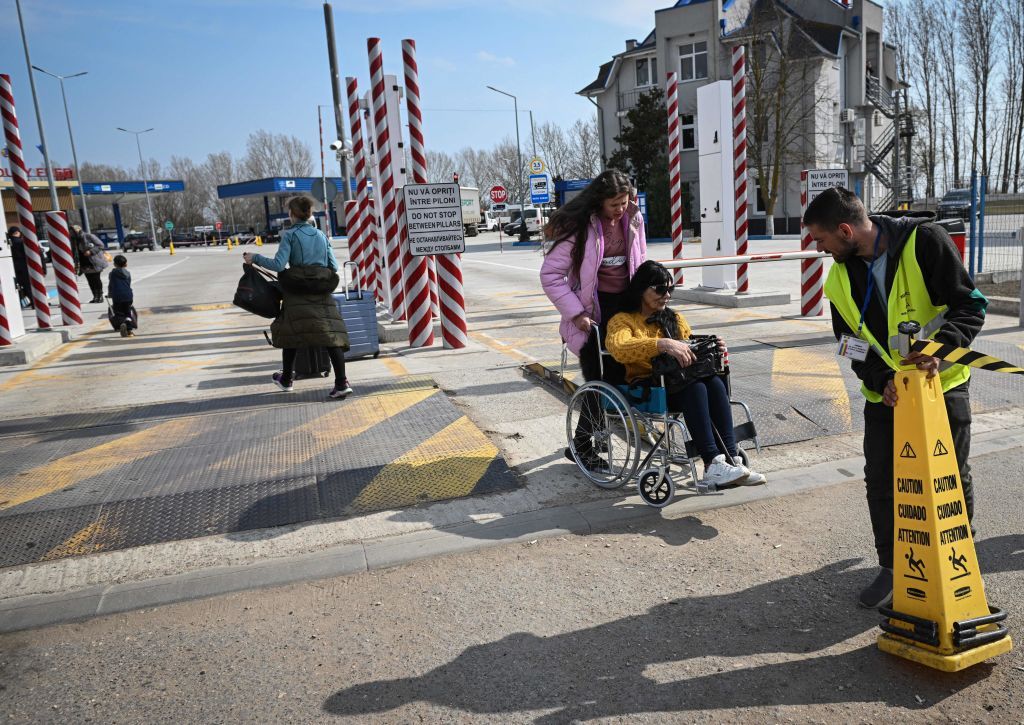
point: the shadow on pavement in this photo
(610, 670)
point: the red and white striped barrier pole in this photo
(23, 200)
(451, 302)
(745, 259)
(417, 275)
(6, 336)
(739, 159)
(388, 197)
(357, 233)
(675, 183)
(811, 270)
(435, 309)
(64, 267)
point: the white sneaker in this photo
(721, 473)
(753, 477)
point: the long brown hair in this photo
(569, 223)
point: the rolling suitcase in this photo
(310, 362)
(359, 311)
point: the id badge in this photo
(853, 348)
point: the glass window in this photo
(693, 61)
(642, 76)
(688, 127)
(654, 71)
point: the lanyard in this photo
(871, 282)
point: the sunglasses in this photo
(662, 289)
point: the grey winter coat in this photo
(90, 254)
(309, 316)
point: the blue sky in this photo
(205, 73)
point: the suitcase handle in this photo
(355, 280)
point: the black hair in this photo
(835, 206)
(120, 261)
(651, 274)
(570, 221)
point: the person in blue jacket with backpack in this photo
(308, 275)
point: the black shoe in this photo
(879, 592)
(588, 459)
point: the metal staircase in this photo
(882, 157)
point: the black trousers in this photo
(878, 471)
(95, 280)
(590, 366)
(336, 354)
(125, 311)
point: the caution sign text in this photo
(433, 214)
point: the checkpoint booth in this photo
(67, 196)
(275, 192)
(117, 193)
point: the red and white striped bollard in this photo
(739, 159)
(64, 267)
(23, 201)
(388, 197)
(675, 182)
(357, 243)
(811, 270)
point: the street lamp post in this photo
(71, 135)
(524, 236)
(145, 181)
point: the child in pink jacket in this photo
(598, 243)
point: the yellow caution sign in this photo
(172, 248)
(939, 616)
(965, 356)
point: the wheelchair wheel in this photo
(608, 455)
(655, 489)
(745, 457)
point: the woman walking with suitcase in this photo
(308, 274)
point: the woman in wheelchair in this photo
(647, 328)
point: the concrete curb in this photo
(31, 611)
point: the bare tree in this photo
(979, 37)
(478, 168)
(586, 149)
(507, 170)
(786, 100)
(440, 167)
(1012, 17)
(948, 17)
(556, 150)
(923, 73)
(268, 154)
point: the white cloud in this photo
(442, 64)
(486, 57)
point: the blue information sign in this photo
(540, 189)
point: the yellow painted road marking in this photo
(338, 426)
(91, 462)
(803, 370)
(509, 350)
(79, 543)
(51, 357)
(394, 366)
(449, 464)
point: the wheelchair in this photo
(626, 420)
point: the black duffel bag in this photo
(709, 362)
(258, 292)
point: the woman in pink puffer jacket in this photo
(598, 243)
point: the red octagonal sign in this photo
(499, 195)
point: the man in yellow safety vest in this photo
(887, 271)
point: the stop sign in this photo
(499, 194)
(217, 226)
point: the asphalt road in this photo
(742, 614)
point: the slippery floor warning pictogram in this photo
(939, 616)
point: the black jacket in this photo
(119, 285)
(945, 278)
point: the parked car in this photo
(185, 239)
(535, 222)
(135, 242)
(956, 204)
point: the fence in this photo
(995, 243)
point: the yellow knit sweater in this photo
(633, 342)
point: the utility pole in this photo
(332, 58)
(39, 117)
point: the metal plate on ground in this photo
(226, 466)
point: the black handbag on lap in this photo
(709, 362)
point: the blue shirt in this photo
(300, 244)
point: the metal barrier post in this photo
(973, 237)
(981, 224)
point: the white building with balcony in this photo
(842, 43)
